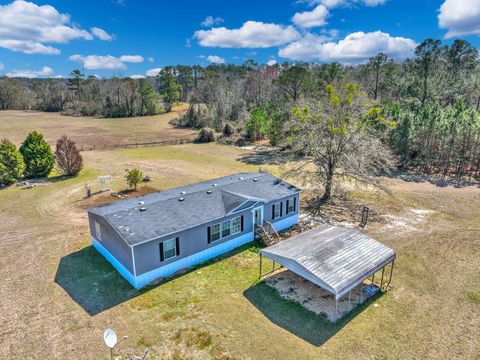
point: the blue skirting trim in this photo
(213, 251)
(115, 263)
(286, 223)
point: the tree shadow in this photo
(294, 318)
(267, 157)
(94, 284)
(439, 181)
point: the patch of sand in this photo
(312, 297)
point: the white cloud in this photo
(137, 76)
(252, 34)
(314, 18)
(460, 17)
(188, 42)
(97, 62)
(151, 59)
(28, 28)
(101, 34)
(131, 58)
(210, 21)
(153, 72)
(216, 59)
(45, 71)
(345, 3)
(271, 62)
(355, 48)
(2, 66)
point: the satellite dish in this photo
(110, 338)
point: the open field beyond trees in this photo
(58, 294)
(88, 132)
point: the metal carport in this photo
(334, 258)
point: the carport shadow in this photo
(291, 316)
(94, 284)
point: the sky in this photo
(138, 37)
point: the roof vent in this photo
(143, 209)
(209, 191)
(141, 202)
(240, 178)
(183, 192)
(214, 185)
(255, 180)
(181, 199)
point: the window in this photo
(169, 249)
(277, 210)
(98, 231)
(226, 228)
(290, 206)
(236, 225)
(215, 232)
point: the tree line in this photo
(431, 101)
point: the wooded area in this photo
(430, 102)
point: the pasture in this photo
(58, 294)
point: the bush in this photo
(205, 135)
(37, 155)
(11, 163)
(68, 157)
(228, 130)
(256, 124)
(133, 177)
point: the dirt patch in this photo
(312, 297)
(106, 197)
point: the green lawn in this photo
(59, 294)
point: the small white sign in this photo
(110, 338)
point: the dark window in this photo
(290, 206)
(215, 232)
(169, 249)
(277, 210)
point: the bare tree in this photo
(340, 137)
(68, 157)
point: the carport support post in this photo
(260, 266)
(381, 281)
(349, 300)
(336, 309)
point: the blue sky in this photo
(131, 37)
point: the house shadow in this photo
(294, 318)
(94, 284)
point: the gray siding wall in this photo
(111, 241)
(267, 212)
(192, 241)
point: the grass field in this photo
(89, 131)
(58, 294)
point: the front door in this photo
(257, 214)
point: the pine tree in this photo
(11, 163)
(37, 155)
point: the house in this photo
(153, 236)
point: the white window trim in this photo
(219, 232)
(239, 225)
(275, 207)
(174, 247)
(221, 228)
(290, 201)
(98, 231)
(229, 221)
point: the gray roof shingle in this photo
(202, 202)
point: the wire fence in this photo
(135, 145)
